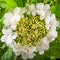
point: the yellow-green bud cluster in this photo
(30, 30)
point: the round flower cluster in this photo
(29, 29)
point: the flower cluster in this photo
(29, 29)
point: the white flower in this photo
(11, 20)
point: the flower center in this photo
(30, 30)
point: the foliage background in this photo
(53, 53)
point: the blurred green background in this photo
(53, 53)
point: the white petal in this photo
(53, 21)
(6, 31)
(13, 35)
(44, 41)
(45, 46)
(54, 33)
(41, 13)
(31, 56)
(12, 21)
(47, 12)
(34, 13)
(47, 6)
(6, 22)
(17, 10)
(24, 10)
(39, 6)
(28, 12)
(32, 7)
(47, 20)
(32, 49)
(9, 39)
(47, 26)
(51, 35)
(24, 56)
(17, 17)
(41, 52)
(13, 27)
(3, 38)
(13, 44)
(8, 15)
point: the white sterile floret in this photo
(43, 10)
(27, 52)
(54, 23)
(8, 15)
(17, 10)
(6, 31)
(32, 9)
(39, 6)
(43, 45)
(47, 6)
(13, 27)
(7, 39)
(14, 19)
(13, 35)
(47, 21)
(41, 13)
(13, 44)
(3, 38)
(6, 22)
(52, 34)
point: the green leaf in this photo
(58, 10)
(8, 55)
(53, 9)
(10, 4)
(46, 1)
(3, 49)
(21, 3)
(2, 8)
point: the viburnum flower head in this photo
(29, 29)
